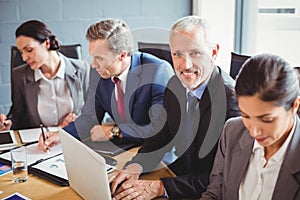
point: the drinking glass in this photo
(19, 164)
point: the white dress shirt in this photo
(122, 78)
(54, 97)
(260, 180)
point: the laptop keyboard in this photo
(109, 160)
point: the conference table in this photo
(38, 188)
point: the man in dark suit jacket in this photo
(143, 79)
(193, 57)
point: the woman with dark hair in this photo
(50, 88)
(258, 154)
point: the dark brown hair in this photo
(271, 78)
(38, 31)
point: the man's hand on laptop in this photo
(130, 173)
(140, 189)
(52, 139)
(101, 133)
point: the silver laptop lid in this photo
(86, 169)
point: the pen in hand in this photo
(44, 138)
(3, 121)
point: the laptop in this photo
(86, 169)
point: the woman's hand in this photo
(68, 119)
(5, 123)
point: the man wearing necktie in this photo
(130, 88)
(198, 101)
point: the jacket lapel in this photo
(213, 99)
(73, 83)
(240, 159)
(133, 81)
(31, 88)
(288, 181)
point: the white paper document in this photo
(35, 155)
(33, 134)
(55, 166)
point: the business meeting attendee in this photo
(139, 78)
(258, 153)
(197, 102)
(50, 88)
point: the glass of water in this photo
(19, 164)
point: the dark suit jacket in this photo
(145, 86)
(193, 167)
(23, 111)
(232, 159)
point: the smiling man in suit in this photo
(197, 102)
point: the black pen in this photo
(44, 137)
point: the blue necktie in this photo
(190, 129)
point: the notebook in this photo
(86, 169)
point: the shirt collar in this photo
(123, 76)
(60, 73)
(199, 91)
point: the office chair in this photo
(160, 50)
(71, 51)
(237, 60)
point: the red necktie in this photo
(120, 99)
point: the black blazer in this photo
(217, 104)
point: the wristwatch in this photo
(115, 131)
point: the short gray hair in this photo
(188, 23)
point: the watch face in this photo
(115, 131)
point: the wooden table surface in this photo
(38, 188)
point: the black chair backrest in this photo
(71, 51)
(237, 60)
(160, 50)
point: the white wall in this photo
(220, 15)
